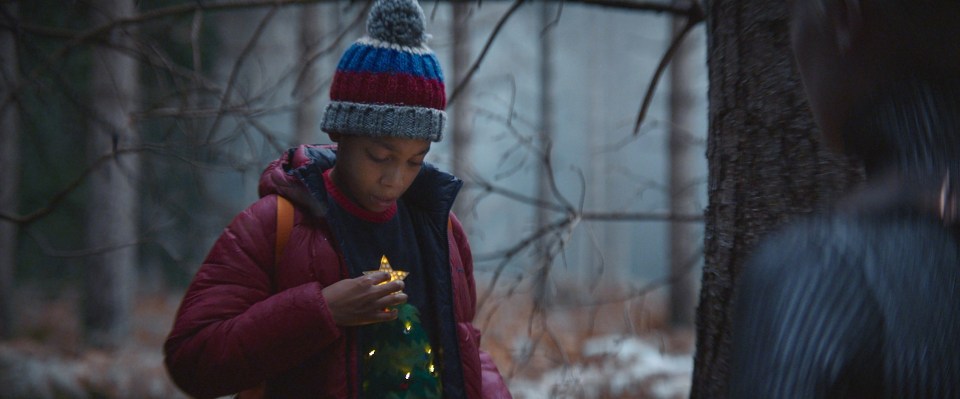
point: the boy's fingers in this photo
(390, 301)
(386, 289)
(382, 316)
(393, 286)
(397, 299)
(378, 277)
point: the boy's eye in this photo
(417, 163)
(377, 159)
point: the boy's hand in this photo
(359, 301)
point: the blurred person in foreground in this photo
(864, 302)
(311, 316)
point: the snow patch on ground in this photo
(614, 367)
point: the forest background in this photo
(133, 132)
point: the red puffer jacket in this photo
(244, 320)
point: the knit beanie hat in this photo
(389, 83)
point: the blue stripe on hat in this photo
(363, 58)
(434, 65)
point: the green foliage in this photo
(399, 363)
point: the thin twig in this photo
(509, 253)
(692, 21)
(642, 291)
(235, 72)
(524, 243)
(547, 159)
(689, 12)
(50, 251)
(486, 47)
(360, 18)
(641, 217)
(95, 33)
(477, 183)
(70, 188)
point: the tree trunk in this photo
(306, 123)
(547, 13)
(9, 169)
(766, 163)
(680, 184)
(461, 116)
(596, 244)
(113, 212)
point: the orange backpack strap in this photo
(284, 226)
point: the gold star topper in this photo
(385, 267)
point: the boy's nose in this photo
(391, 177)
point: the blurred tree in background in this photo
(9, 167)
(112, 211)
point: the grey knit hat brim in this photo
(378, 120)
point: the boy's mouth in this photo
(384, 203)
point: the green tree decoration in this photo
(398, 364)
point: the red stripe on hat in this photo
(388, 88)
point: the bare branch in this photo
(692, 12)
(644, 290)
(524, 243)
(486, 186)
(588, 216)
(640, 217)
(49, 250)
(96, 33)
(486, 47)
(235, 72)
(547, 159)
(511, 252)
(568, 223)
(70, 188)
(692, 21)
(360, 18)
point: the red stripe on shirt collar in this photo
(352, 207)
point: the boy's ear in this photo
(847, 18)
(334, 137)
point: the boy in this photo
(865, 302)
(309, 318)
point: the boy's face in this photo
(376, 171)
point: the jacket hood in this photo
(432, 190)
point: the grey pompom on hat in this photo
(397, 21)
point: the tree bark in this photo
(113, 211)
(9, 169)
(766, 163)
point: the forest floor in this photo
(609, 351)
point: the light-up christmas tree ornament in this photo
(398, 362)
(385, 267)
